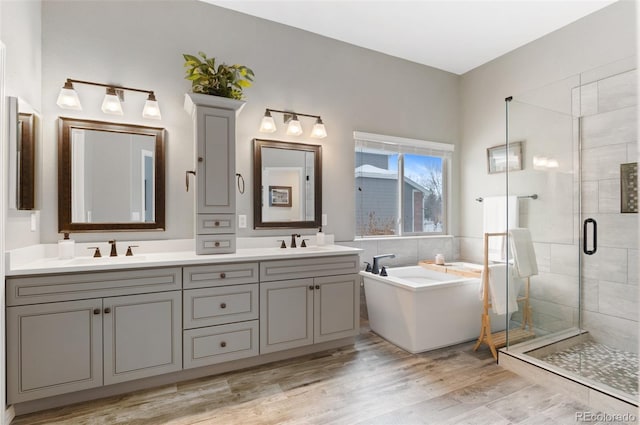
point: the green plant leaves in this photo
(221, 80)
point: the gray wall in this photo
(349, 86)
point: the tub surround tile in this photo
(609, 196)
(428, 248)
(632, 266)
(632, 152)
(607, 264)
(590, 200)
(617, 230)
(405, 250)
(603, 162)
(471, 250)
(590, 294)
(564, 259)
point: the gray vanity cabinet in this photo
(323, 305)
(215, 142)
(56, 346)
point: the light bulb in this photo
(68, 98)
(268, 125)
(318, 131)
(294, 128)
(151, 108)
(111, 103)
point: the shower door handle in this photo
(595, 236)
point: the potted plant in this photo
(223, 80)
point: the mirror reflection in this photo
(287, 189)
(111, 176)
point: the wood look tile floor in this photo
(372, 382)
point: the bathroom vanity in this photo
(108, 327)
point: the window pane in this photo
(376, 192)
(422, 197)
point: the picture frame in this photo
(499, 159)
(280, 196)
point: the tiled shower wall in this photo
(609, 138)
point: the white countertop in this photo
(42, 259)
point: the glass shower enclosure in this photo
(577, 143)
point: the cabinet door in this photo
(53, 349)
(216, 160)
(336, 307)
(286, 314)
(142, 336)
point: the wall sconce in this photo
(68, 99)
(294, 128)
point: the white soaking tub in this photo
(419, 309)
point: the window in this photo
(400, 185)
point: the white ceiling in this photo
(452, 35)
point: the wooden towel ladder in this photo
(499, 339)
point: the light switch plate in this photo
(242, 221)
(34, 222)
(324, 219)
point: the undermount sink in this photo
(104, 260)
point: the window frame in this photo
(403, 146)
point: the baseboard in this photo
(9, 415)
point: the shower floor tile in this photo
(615, 368)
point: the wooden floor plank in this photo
(373, 382)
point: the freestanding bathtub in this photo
(419, 309)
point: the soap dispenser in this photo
(66, 247)
(320, 237)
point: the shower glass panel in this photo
(579, 138)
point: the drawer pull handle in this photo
(217, 244)
(223, 344)
(223, 305)
(107, 310)
(317, 286)
(311, 287)
(216, 223)
(96, 311)
(223, 275)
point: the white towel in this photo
(498, 288)
(524, 256)
(496, 220)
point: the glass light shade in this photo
(294, 128)
(68, 98)
(268, 125)
(318, 131)
(151, 110)
(111, 103)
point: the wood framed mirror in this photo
(287, 185)
(21, 131)
(110, 176)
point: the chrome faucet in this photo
(114, 252)
(293, 240)
(376, 262)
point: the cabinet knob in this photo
(216, 223)
(107, 310)
(223, 305)
(200, 159)
(317, 286)
(217, 244)
(223, 275)
(311, 287)
(96, 311)
(223, 344)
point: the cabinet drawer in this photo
(209, 224)
(217, 344)
(308, 267)
(216, 244)
(216, 306)
(77, 286)
(220, 275)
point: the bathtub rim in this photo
(402, 283)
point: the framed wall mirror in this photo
(110, 176)
(22, 155)
(287, 185)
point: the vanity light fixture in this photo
(294, 127)
(68, 99)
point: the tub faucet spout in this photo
(376, 262)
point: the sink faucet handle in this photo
(114, 251)
(304, 244)
(97, 253)
(282, 245)
(368, 267)
(129, 251)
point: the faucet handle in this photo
(129, 251)
(383, 272)
(368, 267)
(282, 245)
(303, 244)
(97, 253)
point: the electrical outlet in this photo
(324, 219)
(242, 221)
